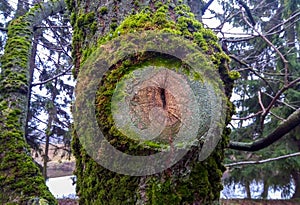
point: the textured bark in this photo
(189, 181)
(20, 180)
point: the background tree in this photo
(49, 62)
(267, 57)
(20, 179)
(49, 113)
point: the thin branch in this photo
(282, 102)
(284, 127)
(37, 27)
(260, 102)
(3, 29)
(248, 117)
(272, 46)
(205, 7)
(53, 78)
(284, 88)
(278, 117)
(268, 33)
(262, 161)
(251, 69)
(284, 22)
(244, 5)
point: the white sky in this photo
(61, 187)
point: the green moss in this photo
(136, 3)
(113, 26)
(72, 18)
(103, 10)
(234, 75)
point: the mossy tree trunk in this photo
(96, 23)
(20, 179)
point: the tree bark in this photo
(190, 180)
(265, 192)
(248, 190)
(20, 180)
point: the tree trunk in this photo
(248, 190)
(265, 192)
(20, 180)
(126, 42)
(296, 177)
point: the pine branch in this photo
(262, 161)
(284, 127)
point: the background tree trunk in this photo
(189, 181)
(20, 179)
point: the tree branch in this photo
(244, 5)
(3, 29)
(260, 102)
(278, 95)
(285, 62)
(205, 7)
(262, 161)
(16, 56)
(284, 22)
(282, 102)
(247, 117)
(53, 78)
(251, 69)
(284, 127)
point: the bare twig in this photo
(251, 69)
(276, 97)
(285, 22)
(53, 78)
(260, 102)
(282, 102)
(272, 46)
(3, 29)
(262, 161)
(205, 7)
(278, 117)
(248, 117)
